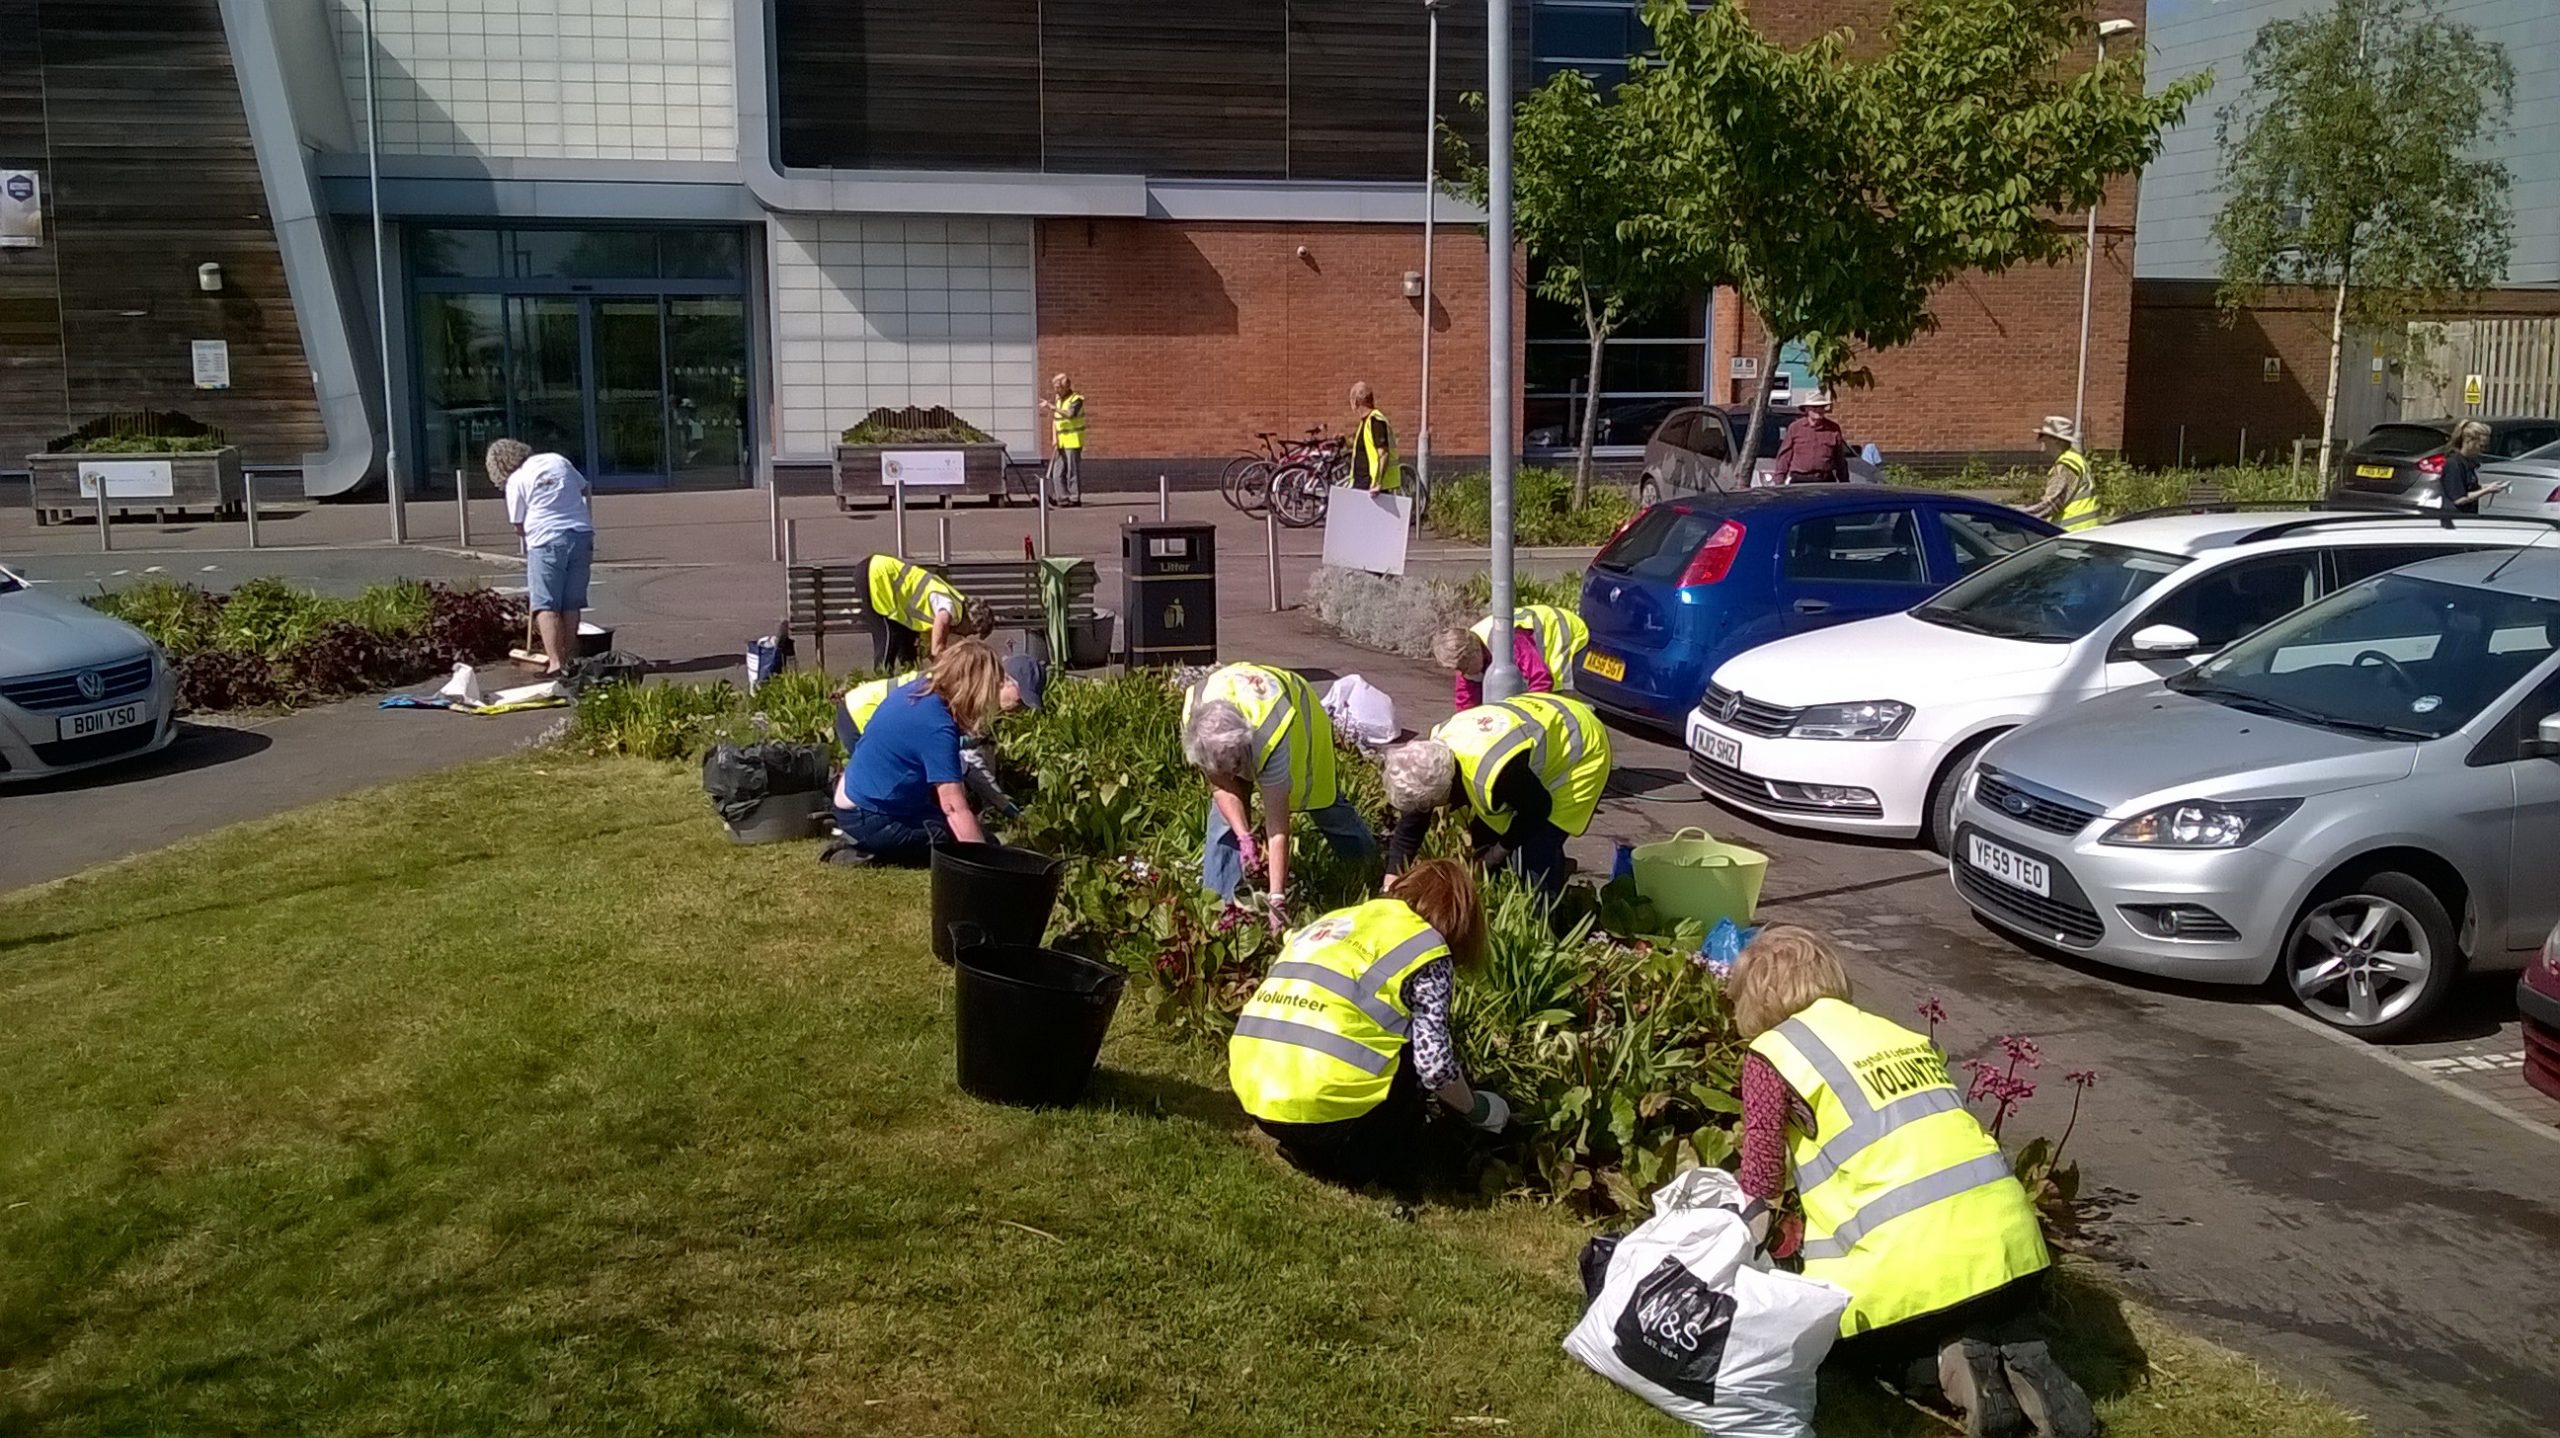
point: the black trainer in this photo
(1970, 1372)
(2052, 1402)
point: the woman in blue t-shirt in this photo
(905, 786)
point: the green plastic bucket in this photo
(1693, 876)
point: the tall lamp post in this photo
(1502, 675)
(2107, 30)
(382, 295)
(1430, 209)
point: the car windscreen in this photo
(2396, 657)
(2050, 593)
(9, 583)
(2402, 441)
(1660, 543)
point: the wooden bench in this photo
(825, 599)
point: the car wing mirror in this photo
(2163, 641)
(2545, 743)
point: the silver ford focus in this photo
(2363, 797)
(77, 687)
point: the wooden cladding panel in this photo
(908, 84)
(1182, 87)
(31, 403)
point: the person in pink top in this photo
(1465, 656)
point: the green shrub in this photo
(1462, 508)
(1399, 614)
(1564, 591)
(877, 430)
(268, 642)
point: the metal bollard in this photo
(462, 508)
(2297, 460)
(2244, 444)
(773, 510)
(898, 502)
(942, 522)
(1044, 516)
(249, 505)
(1271, 552)
(790, 541)
(1164, 497)
(106, 541)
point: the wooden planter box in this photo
(860, 469)
(206, 482)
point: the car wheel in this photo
(1941, 833)
(2373, 956)
(1648, 493)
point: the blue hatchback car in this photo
(1689, 583)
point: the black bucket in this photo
(1030, 1021)
(1006, 892)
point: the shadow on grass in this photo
(2082, 1319)
(1163, 1095)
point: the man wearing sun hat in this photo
(1814, 451)
(2069, 500)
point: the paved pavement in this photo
(2381, 1223)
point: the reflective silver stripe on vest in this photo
(1383, 969)
(1867, 1123)
(1918, 1194)
(1323, 1041)
(1385, 1015)
(1490, 765)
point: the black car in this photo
(2400, 462)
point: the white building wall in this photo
(2182, 189)
(881, 310)
(548, 79)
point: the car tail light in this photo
(2432, 466)
(2551, 955)
(1715, 557)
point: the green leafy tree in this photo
(2349, 164)
(1583, 171)
(1840, 194)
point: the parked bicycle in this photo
(1246, 482)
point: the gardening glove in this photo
(1492, 1113)
(1278, 915)
(1250, 853)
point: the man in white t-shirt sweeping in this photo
(547, 503)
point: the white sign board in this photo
(21, 210)
(127, 478)
(213, 363)
(1746, 366)
(1364, 529)
(923, 466)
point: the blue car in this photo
(1689, 583)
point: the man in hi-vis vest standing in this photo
(1065, 409)
(2070, 497)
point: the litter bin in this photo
(1169, 591)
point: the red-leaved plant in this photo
(2052, 1185)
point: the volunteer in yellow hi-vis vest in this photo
(1351, 1027)
(2070, 497)
(908, 600)
(1065, 409)
(1250, 727)
(1373, 445)
(1527, 771)
(1907, 1203)
(1561, 636)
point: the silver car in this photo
(77, 687)
(2363, 796)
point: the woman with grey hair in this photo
(1249, 728)
(2459, 482)
(1528, 774)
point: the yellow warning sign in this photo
(2471, 389)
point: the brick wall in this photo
(1188, 338)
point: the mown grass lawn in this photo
(517, 1100)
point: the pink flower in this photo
(1933, 1010)
(2081, 1078)
(2021, 1050)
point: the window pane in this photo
(456, 252)
(2222, 606)
(583, 254)
(707, 386)
(1586, 32)
(1978, 539)
(462, 378)
(2364, 561)
(631, 401)
(702, 255)
(549, 377)
(1879, 548)
(1660, 543)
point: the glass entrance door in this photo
(548, 338)
(630, 391)
(590, 381)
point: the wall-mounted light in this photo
(209, 278)
(1413, 284)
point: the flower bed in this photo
(1401, 614)
(1541, 509)
(268, 643)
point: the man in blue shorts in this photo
(547, 503)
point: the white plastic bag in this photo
(1362, 711)
(1694, 1322)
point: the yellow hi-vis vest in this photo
(1292, 733)
(902, 593)
(1377, 441)
(1561, 636)
(1908, 1204)
(1560, 737)
(864, 700)
(2081, 512)
(1320, 1040)
(1070, 421)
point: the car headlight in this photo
(1869, 719)
(2202, 824)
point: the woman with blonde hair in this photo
(1351, 1027)
(1907, 1203)
(906, 787)
(2459, 481)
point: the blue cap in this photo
(1029, 678)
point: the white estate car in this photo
(1868, 727)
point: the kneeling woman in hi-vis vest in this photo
(1908, 1203)
(1249, 727)
(1527, 772)
(908, 601)
(1350, 1030)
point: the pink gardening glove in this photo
(1250, 852)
